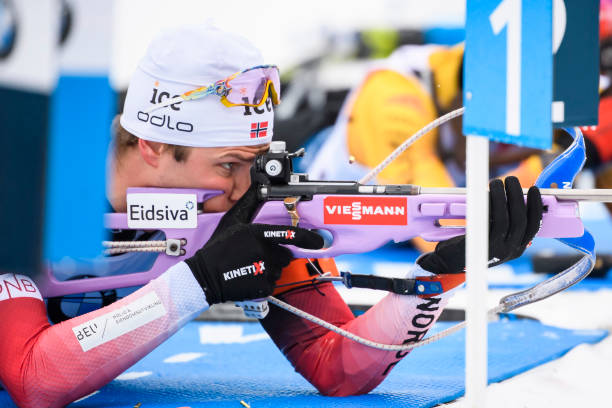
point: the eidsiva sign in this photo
(509, 71)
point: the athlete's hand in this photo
(242, 261)
(512, 226)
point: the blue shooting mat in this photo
(193, 369)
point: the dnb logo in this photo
(365, 210)
(8, 28)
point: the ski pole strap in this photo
(426, 286)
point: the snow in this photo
(572, 309)
(581, 377)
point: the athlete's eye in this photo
(227, 166)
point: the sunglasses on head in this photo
(250, 87)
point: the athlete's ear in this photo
(150, 151)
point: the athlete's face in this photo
(213, 168)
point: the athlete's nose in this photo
(242, 182)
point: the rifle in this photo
(359, 217)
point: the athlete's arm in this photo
(339, 366)
(51, 366)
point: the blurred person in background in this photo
(400, 95)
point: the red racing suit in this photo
(51, 366)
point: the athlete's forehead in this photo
(237, 152)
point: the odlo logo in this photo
(287, 234)
(163, 120)
(255, 269)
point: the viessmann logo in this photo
(255, 269)
(365, 210)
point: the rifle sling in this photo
(423, 286)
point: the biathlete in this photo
(210, 142)
(333, 364)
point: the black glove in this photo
(512, 227)
(242, 261)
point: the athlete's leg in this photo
(51, 366)
(339, 366)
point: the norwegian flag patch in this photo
(259, 129)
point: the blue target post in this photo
(508, 96)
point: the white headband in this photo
(184, 59)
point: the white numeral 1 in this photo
(508, 14)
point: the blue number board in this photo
(509, 71)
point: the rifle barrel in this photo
(603, 195)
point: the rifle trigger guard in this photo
(291, 207)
